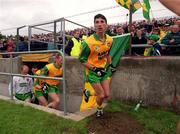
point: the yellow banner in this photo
(35, 57)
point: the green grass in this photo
(154, 121)
(20, 119)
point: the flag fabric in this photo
(136, 4)
(146, 9)
(119, 46)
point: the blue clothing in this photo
(156, 50)
(172, 50)
(170, 36)
(22, 46)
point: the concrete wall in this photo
(151, 79)
(5, 67)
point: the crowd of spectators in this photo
(167, 29)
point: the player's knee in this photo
(101, 96)
(57, 100)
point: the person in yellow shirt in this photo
(164, 30)
(95, 57)
(74, 45)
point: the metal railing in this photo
(11, 74)
(146, 45)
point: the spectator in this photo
(10, 45)
(139, 38)
(73, 47)
(119, 30)
(164, 30)
(85, 34)
(22, 45)
(177, 23)
(172, 38)
(156, 31)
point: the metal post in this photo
(130, 24)
(130, 14)
(29, 38)
(55, 36)
(17, 40)
(11, 77)
(61, 36)
(64, 71)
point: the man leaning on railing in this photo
(172, 38)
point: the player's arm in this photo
(37, 84)
(44, 71)
(85, 51)
(109, 59)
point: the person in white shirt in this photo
(22, 86)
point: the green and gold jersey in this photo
(52, 70)
(38, 81)
(94, 51)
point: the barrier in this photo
(11, 74)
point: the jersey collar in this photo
(97, 37)
(56, 65)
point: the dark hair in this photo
(21, 38)
(100, 16)
(35, 66)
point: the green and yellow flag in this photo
(146, 8)
(136, 4)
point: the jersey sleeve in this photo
(36, 80)
(85, 51)
(44, 71)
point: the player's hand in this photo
(38, 87)
(99, 71)
(112, 68)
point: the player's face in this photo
(58, 60)
(100, 25)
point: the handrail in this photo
(32, 76)
(11, 74)
(146, 45)
(34, 52)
